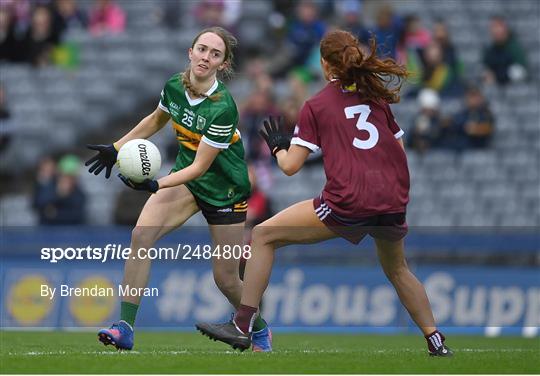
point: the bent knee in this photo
(144, 235)
(262, 234)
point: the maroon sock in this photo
(435, 340)
(244, 317)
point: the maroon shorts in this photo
(391, 227)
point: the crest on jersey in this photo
(201, 122)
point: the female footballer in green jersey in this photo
(210, 175)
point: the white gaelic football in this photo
(139, 160)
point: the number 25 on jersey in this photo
(363, 125)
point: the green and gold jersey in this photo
(215, 123)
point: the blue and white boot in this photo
(119, 335)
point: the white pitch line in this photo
(119, 353)
(186, 352)
(497, 350)
(42, 353)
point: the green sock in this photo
(259, 324)
(128, 312)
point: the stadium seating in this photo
(57, 109)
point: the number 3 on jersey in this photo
(363, 125)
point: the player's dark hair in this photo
(371, 76)
(230, 43)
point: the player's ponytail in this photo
(362, 71)
(230, 43)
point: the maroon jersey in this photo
(366, 168)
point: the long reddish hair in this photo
(369, 75)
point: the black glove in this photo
(105, 158)
(148, 185)
(275, 136)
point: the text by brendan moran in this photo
(120, 291)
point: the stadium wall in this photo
(303, 295)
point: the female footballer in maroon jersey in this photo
(367, 188)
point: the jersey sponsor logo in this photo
(225, 210)
(201, 122)
(174, 109)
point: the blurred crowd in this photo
(32, 32)
(58, 198)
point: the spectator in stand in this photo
(21, 14)
(441, 35)
(45, 190)
(232, 13)
(349, 12)
(297, 84)
(305, 32)
(437, 74)
(170, 13)
(106, 17)
(210, 13)
(284, 7)
(504, 59)
(6, 122)
(415, 38)
(68, 15)
(290, 109)
(427, 125)
(58, 198)
(7, 35)
(259, 105)
(387, 32)
(71, 200)
(257, 73)
(222, 13)
(40, 38)
(475, 124)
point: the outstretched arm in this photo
(146, 127)
(290, 158)
(291, 161)
(106, 156)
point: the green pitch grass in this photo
(67, 352)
